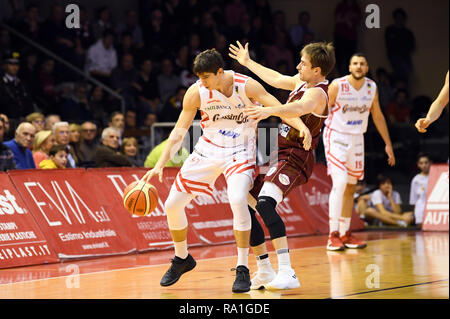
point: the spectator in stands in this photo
(37, 119)
(280, 52)
(176, 161)
(124, 78)
(208, 31)
(7, 134)
(6, 46)
(234, 11)
(172, 108)
(62, 134)
(28, 73)
(15, 100)
(6, 155)
(88, 142)
(147, 91)
(183, 63)
(399, 110)
(77, 108)
(75, 138)
(299, 30)
(103, 22)
(30, 26)
(347, 20)
(117, 120)
(131, 26)
(50, 120)
(155, 34)
(385, 205)
(57, 158)
(43, 142)
(125, 46)
(385, 90)
(167, 81)
(21, 145)
(101, 57)
(130, 123)
(400, 45)
(47, 82)
(107, 154)
(130, 149)
(419, 187)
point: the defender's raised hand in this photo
(239, 53)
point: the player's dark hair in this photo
(57, 148)
(358, 54)
(208, 61)
(321, 55)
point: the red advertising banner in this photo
(75, 214)
(436, 207)
(21, 241)
(151, 231)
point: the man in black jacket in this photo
(107, 154)
(6, 155)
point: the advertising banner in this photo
(436, 207)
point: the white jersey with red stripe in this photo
(350, 112)
(223, 120)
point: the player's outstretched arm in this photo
(191, 102)
(271, 77)
(257, 92)
(435, 109)
(380, 123)
(313, 100)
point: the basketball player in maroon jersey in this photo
(308, 100)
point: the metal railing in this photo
(54, 56)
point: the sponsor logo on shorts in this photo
(284, 179)
(359, 122)
(229, 133)
(340, 142)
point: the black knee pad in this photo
(266, 209)
(257, 236)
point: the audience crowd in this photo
(52, 118)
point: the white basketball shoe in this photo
(285, 279)
(263, 276)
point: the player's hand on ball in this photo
(422, 124)
(156, 171)
(239, 53)
(390, 153)
(307, 138)
(256, 112)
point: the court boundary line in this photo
(385, 289)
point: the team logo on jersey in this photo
(284, 179)
(239, 118)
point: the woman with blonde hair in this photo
(130, 148)
(37, 119)
(43, 142)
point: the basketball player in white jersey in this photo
(228, 146)
(352, 98)
(435, 109)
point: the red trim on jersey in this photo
(212, 101)
(239, 81)
(210, 94)
(241, 75)
(204, 119)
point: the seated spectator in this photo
(147, 91)
(117, 120)
(43, 142)
(299, 30)
(62, 134)
(7, 135)
(76, 107)
(88, 143)
(132, 27)
(101, 58)
(15, 100)
(75, 137)
(172, 108)
(385, 205)
(130, 123)
(50, 120)
(30, 25)
(280, 51)
(21, 145)
(124, 78)
(130, 148)
(57, 158)
(419, 187)
(385, 89)
(102, 23)
(37, 119)
(99, 106)
(399, 110)
(107, 154)
(6, 155)
(176, 161)
(167, 80)
(361, 199)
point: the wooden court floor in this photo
(395, 265)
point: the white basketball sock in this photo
(339, 178)
(284, 260)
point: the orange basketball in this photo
(140, 198)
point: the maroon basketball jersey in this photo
(289, 136)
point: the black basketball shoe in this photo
(242, 282)
(179, 266)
